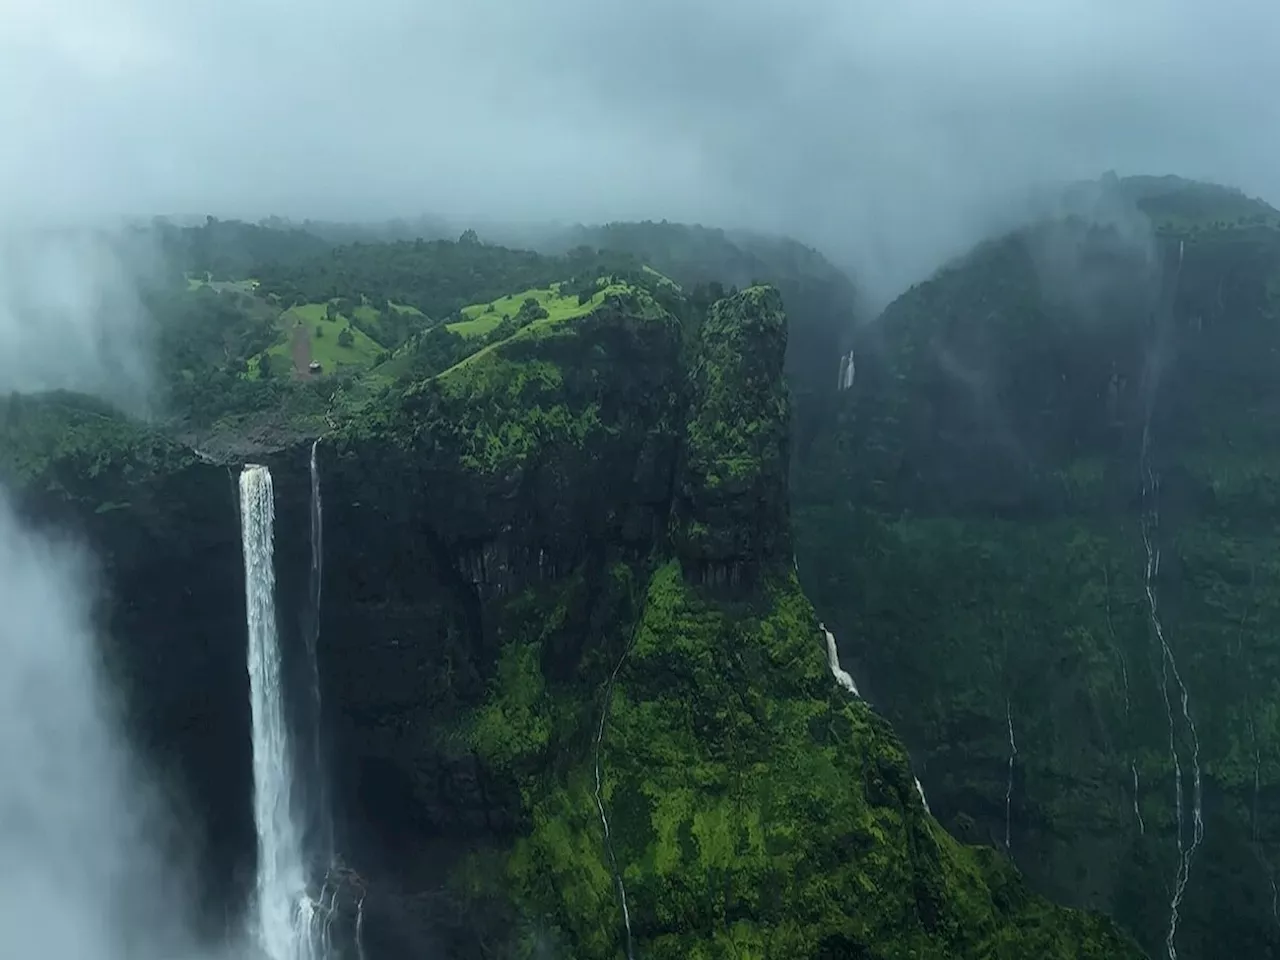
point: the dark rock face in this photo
(975, 536)
(731, 510)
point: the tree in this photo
(264, 366)
(345, 339)
(319, 331)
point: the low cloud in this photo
(86, 869)
(893, 135)
(70, 314)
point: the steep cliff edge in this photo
(1043, 532)
(574, 697)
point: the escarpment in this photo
(574, 698)
(1040, 528)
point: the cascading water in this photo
(286, 923)
(920, 790)
(323, 821)
(1008, 787)
(833, 664)
(604, 817)
(846, 681)
(847, 371)
(1150, 523)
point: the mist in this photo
(91, 864)
(893, 136)
(70, 314)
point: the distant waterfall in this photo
(920, 790)
(286, 923)
(604, 816)
(833, 664)
(847, 370)
(846, 681)
(1008, 787)
(1150, 530)
(1169, 668)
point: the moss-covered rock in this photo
(731, 505)
(975, 535)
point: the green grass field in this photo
(324, 333)
(559, 310)
(483, 317)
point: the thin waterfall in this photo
(360, 928)
(920, 790)
(842, 675)
(846, 682)
(286, 923)
(1008, 787)
(1169, 667)
(1150, 528)
(600, 807)
(323, 819)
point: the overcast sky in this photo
(889, 132)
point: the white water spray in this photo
(1008, 787)
(287, 924)
(833, 664)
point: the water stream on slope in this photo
(846, 681)
(1150, 523)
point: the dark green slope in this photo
(976, 537)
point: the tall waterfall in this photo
(285, 921)
(323, 822)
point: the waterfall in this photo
(360, 928)
(1137, 811)
(1008, 787)
(1168, 666)
(1150, 523)
(833, 664)
(604, 817)
(845, 680)
(920, 790)
(324, 822)
(287, 924)
(847, 369)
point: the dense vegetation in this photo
(976, 528)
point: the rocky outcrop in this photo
(1021, 429)
(731, 504)
(539, 699)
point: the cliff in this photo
(1041, 529)
(576, 702)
